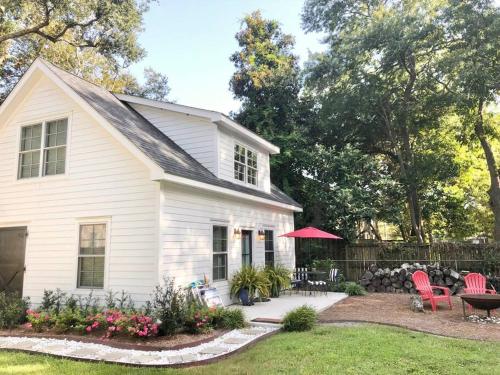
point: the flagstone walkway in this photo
(220, 346)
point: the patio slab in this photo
(275, 310)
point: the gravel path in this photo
(394, 309)
(220, 346)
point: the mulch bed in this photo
(179, 341)
(394, 309)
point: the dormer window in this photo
(245, 164)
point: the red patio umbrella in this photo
(311, 232)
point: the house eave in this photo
(228, 192)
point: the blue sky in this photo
(191, 40)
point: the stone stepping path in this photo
(222, 345)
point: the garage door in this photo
(12, 248)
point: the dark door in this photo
(12, 248)
(246, 247)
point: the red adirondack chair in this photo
(475, 283)
(426, 290)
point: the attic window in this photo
(47, 140)
(245, 165)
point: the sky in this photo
(190, 41)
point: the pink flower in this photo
(28, 325)
(95, 324)
(88, 328)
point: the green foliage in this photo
(324, 264)
(122, 302)
(52, 300)
(300, 319)
(279, 279)
(252, 279)
(354, 289)
(69, 319)
(12, 309)
(169, 306)
(231, 319)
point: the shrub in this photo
(354, 289)
(300, 319)
(69, 319)
(201, 319)
(252, 279)
(231, 319)
(169, 307)
(12, 309)
(279, 279)
(122, 302)
(39, 321)
(324, 264)
(52, 300)
(88, 304)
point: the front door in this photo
(12, 248)
(246, 247)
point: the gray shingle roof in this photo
(152, 141)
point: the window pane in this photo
(31, 137)
(92, 239)
(29, 164)
(239, 171)
(219, 268)
(55, 160)
(252, 159)
(252, 176)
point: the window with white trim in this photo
(245, 164)
(91, 253)
(219, 267)
(48, 139)
(269, 247)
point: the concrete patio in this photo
(274, 310)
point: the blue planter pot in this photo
(244, 297)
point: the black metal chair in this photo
(299, 279)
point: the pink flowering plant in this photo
(142, 326)
(38, 321)
(201, 319)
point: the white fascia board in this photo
(236, 194)
(215, 117)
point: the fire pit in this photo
(486, 302)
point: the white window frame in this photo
(220, 252)
(92, 221)
(246, 166)
(43, 120)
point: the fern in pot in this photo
(279, 279)
(248, 281)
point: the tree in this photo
(267, 81)
(156, 86)
(376, 86)
(471, 75)
(92, 38)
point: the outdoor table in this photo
(316, 275)
(486, 302)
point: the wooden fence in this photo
(354, 259)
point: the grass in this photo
(325, 350)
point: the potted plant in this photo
(279, 279)
(248, 281)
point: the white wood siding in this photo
(187, 217)
(197, 136)
(227, 141)
(103, 180)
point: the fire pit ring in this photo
(486, 302)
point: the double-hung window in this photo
(42, 150)
(269, 247)
(245, 164)
(219, 268)
(91, 250)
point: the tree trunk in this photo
(494, 191)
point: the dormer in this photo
(227, 149)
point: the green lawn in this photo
(325, 350)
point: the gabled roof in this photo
(152, 142)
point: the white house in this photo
(114, 192)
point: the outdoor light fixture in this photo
(237, 233)
(261, 235)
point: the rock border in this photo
(209, 356)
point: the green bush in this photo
(252, 279)
(169, 306)
(354, 289)
(52, 301)
(279, 279)
(69, 319)
(12, 309)
(231, 319)
(323, 264)
(300, 319)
